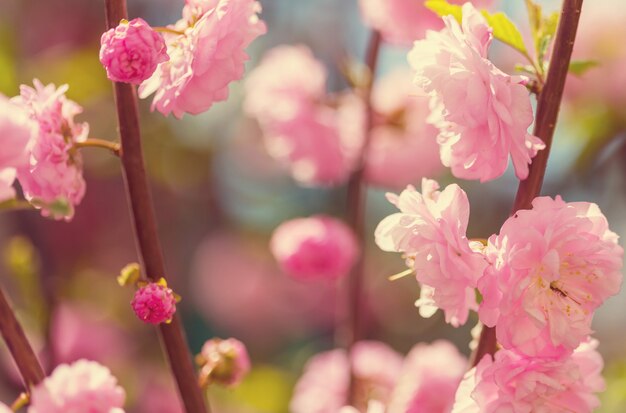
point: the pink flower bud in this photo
(83, 386)
(131, 52)
(223, 361)
(318, 247)
(154, 303)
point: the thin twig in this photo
(349, 329)
(145, 228)
(547, 113)
(25, 358)
(99, 143)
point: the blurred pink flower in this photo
(429, 379)
(79, 331)
(5, 409)
(604, 85)
(316, 139)
(403, 146)
(205, 57)
(154, 303)
(289, 77)
(518, 384)
(554, 266)
(402, 22)
(54, 175)
(482, 113)
(319, 247)
(83, 386)
(262, 306)
(323, 387)
(131, 51)
(15, 133)
(223, 361)
(158, 393)
(431, 230)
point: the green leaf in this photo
(505, 30)
(535, 17)
(580, 67)
(443, 8)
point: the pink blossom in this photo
(154, 303)
(518, 384)
(554, 266)
(53, 180)
(402, 22)
(83, 386)
(319, 247)
(431, 230)
(15, 133)
(482, 113)
(403, 147)
(318, 141)
(131, 51)
(223, 361)
(429, 379)
(5, 409)
(323, 387)
(289, 77)
(205, 57)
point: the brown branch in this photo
(19, 347)
(349, 329)
(145, 229)
(547, 113)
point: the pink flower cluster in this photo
(131, 51)
(83, 386)
(430, 230)
(425, 381)
(223, 361)
(206, 53)
(552, 267)
(401, 22)
(318, 247)
(514, 383)
(319, 136)
(541, 279)
(52, 177)
(482, 114)
(300, 129)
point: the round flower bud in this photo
(318, 247)
(154, 303)
(223, 361)
(131, 52)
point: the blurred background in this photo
(219, 195)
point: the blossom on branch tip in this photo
(155, 303)
(553, 266)
(515, 383)
(483, 114)
(319, 247)
(206, 49)
(430, 230)
(83, 386)
(52, 180)
(223, 361)
(131, 51)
